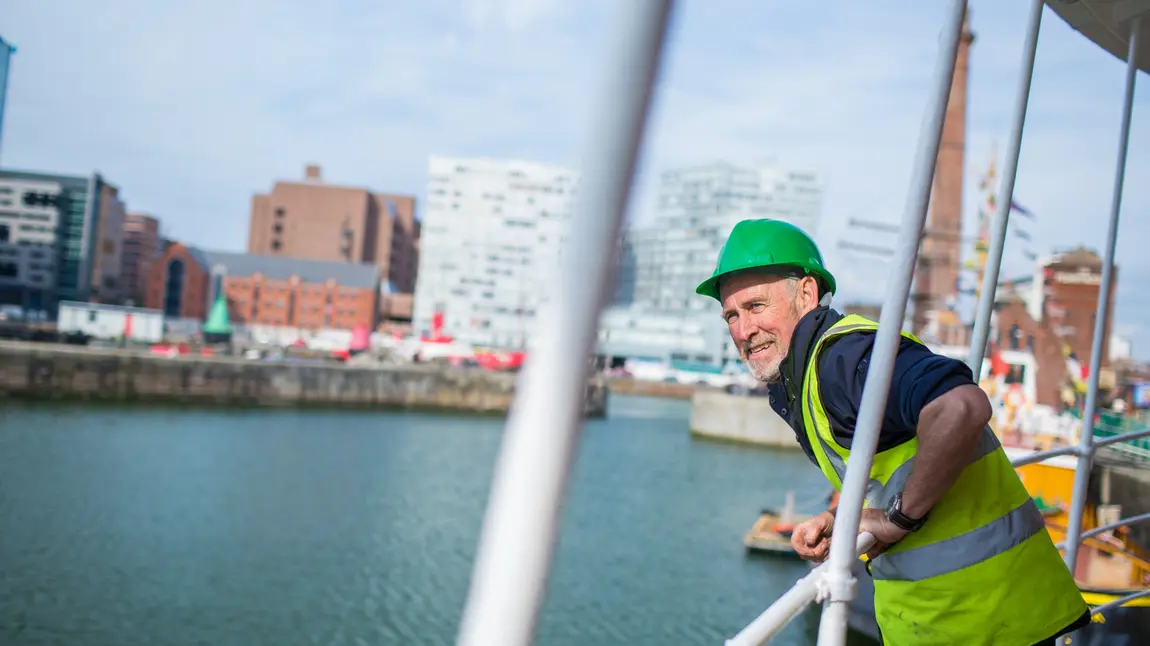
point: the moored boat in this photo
(772, 531)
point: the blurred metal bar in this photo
(1086, 441)
(887, 227)
(840, 583)
(1117, 603)
(1132, 520)
(1001, 219)
(1041, 456)
(1125, 437)
(522, 517)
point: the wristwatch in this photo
(894, 514)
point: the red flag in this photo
(998, 367)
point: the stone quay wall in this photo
(42, 371)
(739, 418)
(643, 388)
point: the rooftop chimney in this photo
(311, 172)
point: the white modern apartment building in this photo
(491, 239)
(697, 208)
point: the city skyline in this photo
(834, 93)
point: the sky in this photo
(191, 108)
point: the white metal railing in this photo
(809, 589)
(520, 525)
(521, 520)
(839, 582)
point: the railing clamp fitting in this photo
(830, 587)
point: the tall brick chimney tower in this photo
(941, 256)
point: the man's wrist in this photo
(898, 515)
(913, 506)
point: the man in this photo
(961, 553)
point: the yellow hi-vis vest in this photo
(982, 570)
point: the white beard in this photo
(766, 371)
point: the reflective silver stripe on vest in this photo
(836, 462)
(962, 551)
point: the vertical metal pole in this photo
(6, 51)
(1086, 442)
(522, 517)
(840, 583)
(1002, 217)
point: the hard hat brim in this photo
(710, 286)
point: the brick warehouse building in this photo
(314, 220)
(265, 290)
(1059, 311)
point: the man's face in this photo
(761, 311)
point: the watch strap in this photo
(901, 520)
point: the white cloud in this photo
(192, 108)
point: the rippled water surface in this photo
(156, 526)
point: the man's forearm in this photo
(949, 429)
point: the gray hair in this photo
(793, 291)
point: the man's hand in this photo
(812, 539)
(885, 532)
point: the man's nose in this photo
(743, 330)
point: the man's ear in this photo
(809, 290)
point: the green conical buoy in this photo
(218, 327)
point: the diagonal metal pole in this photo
(521, 523)
(1001, 219)
(840, 583)
(1102, 316)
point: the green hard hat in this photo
(762, 244)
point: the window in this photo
(275, 245)
(91, 316)
(174, 288)
(1015, 336)
(40, 199)
(280, 212)
(9, 270)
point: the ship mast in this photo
(989, 185)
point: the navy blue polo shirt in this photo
(919, 377)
